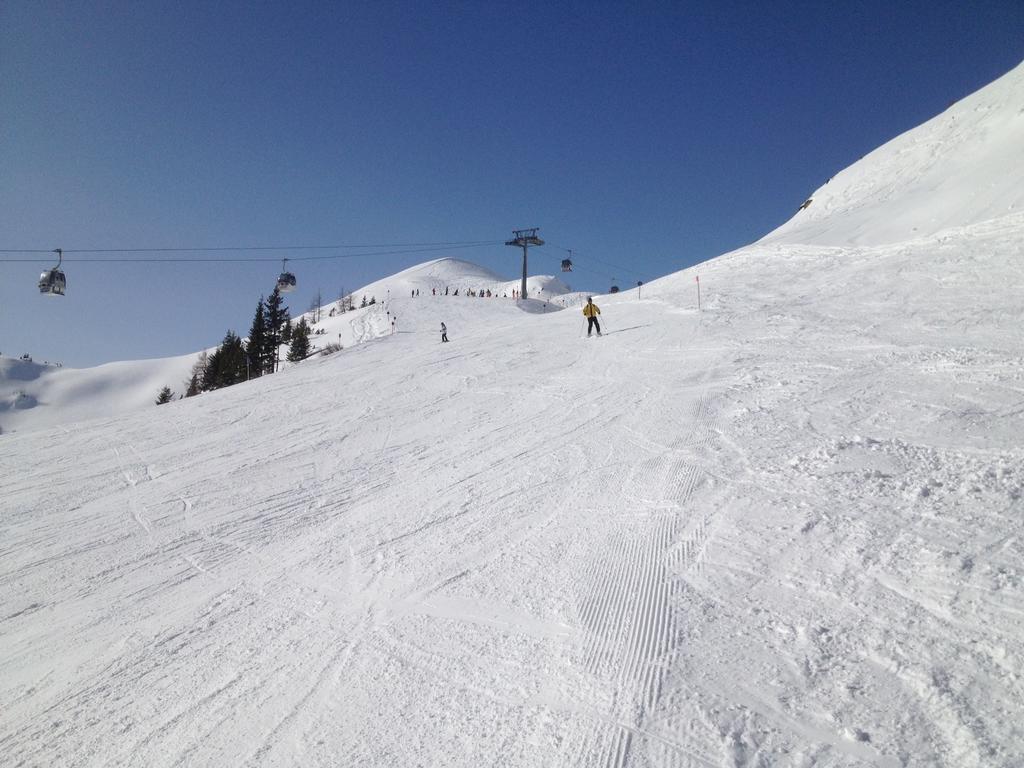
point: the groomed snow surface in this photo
(34, 394)
(785, 530)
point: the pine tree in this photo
(226, 365)
(255, 348)
(286, 332)
(299, 349)
(276, 316)
(195, 383)
(211, 376)
(164, 396)
(234, 363)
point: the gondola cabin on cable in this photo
(567, 265)
(52, 282)
(613, 289)
(286, 280)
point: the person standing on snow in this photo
(591, 311)
(444, 332)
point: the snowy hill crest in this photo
(36, 396)
(961, 168)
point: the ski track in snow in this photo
(783, 531)
(555, 558)
(632, 617)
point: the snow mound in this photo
(36, 396)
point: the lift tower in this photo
(524, 238)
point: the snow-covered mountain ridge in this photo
(37, 396)
(786, 530)
(960, 168)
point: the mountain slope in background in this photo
(40, 395)
(958, 169)
(37, 396)
(784, 530)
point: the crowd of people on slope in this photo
(481, 293)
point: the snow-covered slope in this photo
(784, 531)
(454, 274)
(34, 396)
(440, 278)
(960, 168)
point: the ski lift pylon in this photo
(286, 280)
(52, 282)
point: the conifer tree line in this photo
(236, 360)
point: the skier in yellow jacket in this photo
(591, 311)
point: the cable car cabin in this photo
(286, 282)
(52, 282)
(614, 289)
(567, 265)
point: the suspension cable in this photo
(398, 250)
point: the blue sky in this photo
(646, 136)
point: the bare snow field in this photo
(785, 530)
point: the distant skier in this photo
(444, 332)
(591, 311)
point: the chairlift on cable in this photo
(286, 281)
(567, 265)
(52, 281)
